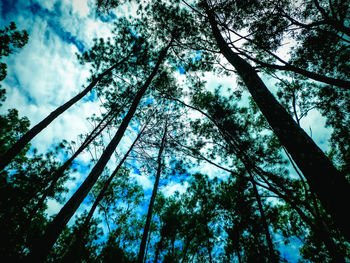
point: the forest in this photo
(250, 180)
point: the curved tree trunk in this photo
(29, 135)
(325, 180)
(42, 248)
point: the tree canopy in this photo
(182, 168)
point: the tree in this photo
(89, 251)
(71, 255)
(267, 189)
(41, 249)
(270, 23)
(26, 182)
(129, 50)
(111, 251)
(106, 120)
(283, 125)
(141, 254)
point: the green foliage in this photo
(213, 220)
(111, 251)
(11, 129)
(10, 40)
(87, 252)
(22, 184)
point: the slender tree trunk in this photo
(148, 242)
(186, 248)
(153, 198)
(42, 248)
(325, 180)
(29, 135)
(272, 256)
(78, 241)
(60, 172)
(209, 252)
(158, 250)
(233, 235)
(238, 255)
(319, 230)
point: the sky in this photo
(46, 73)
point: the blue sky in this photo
(45, 74)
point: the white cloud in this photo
(81, 7)
(314, 126)
(172, 187)
(144, 181)
(53, 207)
(45, 74)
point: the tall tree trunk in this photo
(29, 135)
(272, 257)
(319, 229)
(42, 248)
(325, 180)
(209, 250)
(153, 198)
(78, 241)
(158, 248)
(187, 245)
(60, 172)
(148, 242)
(238, 254)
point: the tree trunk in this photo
(29, 135)
(42, 248)
(78, 241)
(209, 251)
(325, 180)
(272, 257)
(147, 246)
(238, 255)
(158, 248)
(319, 230)
(60, 172)
(187, 245)
(153, 198)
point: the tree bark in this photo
(71, 255)
(158, 248)
(309, 74)
(29, 135)
(60, 172)
(325, 180)
(187, 245)
(319, 230)
(272, 257)
(153, 198)
(42, 248)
